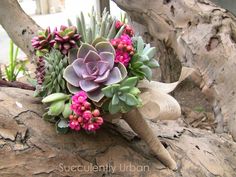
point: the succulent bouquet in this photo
(85, 74)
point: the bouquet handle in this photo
(140, 126)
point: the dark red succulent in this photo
(66, 38)
(43, 41)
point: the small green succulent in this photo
(143, 60)
(124, 96)
(58, 110)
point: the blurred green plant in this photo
(199, 109)
(15, 66)
(123, 18)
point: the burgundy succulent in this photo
(40, 70)
(66, 38)
(93, 69)
(43, 42)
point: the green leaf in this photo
(153, 63)
(135, 91)
(137, 65)
(147, 71)
(146, 48)
(131, 82)
(144, 58)
(67, 111)
(110, 90)
(151, 52)
(115, 99)
(107, 91)
(113, 108)
(112, 31)
(123, 97)
(124, 89)
(131, 100)
(55, 97)
(138, 73)
(135, 58)
(140, 45)
(62, 126)
(56, 108)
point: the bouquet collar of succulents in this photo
(85, 72)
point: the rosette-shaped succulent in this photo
(43, 42)
(94, 69)
(66, 38)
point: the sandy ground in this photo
(72, 9)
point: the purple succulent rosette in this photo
(93, 70)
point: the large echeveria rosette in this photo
(93, 70)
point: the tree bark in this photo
(19, 26)
(202, 36)
(29, 146)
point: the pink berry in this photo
(96, 113)
(120, 46)
(87, 115)
(87, 105)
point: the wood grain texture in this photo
(29, 146)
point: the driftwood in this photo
(29, 146)
(19, 26)
(202, 36)
(4, 83)
(196, 32)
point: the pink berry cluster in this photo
(124, 49)
(83, 116)
(127, 30)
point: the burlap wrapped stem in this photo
(157, 105)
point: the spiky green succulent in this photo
(104, 27)
(123, 96)
(53, 79)
(143, 60)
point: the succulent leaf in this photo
(62, 126)
(56, 108)
(55, 97)
(67, 111)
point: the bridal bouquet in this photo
(101, 69)
(84, 72)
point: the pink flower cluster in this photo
(83, 116)
(127, 30)
(124, 49)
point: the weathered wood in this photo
(19, 26)
(4, 83)
(202, 35)
(29, 146)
